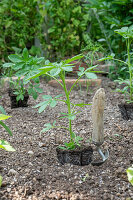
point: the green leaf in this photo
(53, 103)
(3, 117)
(34, 94)
(55, 71)
(68, 68)
(18, 66)
(73, 58)
(6, 146)
(15, 58)
(39, 90)
(48, 127)
(130, 174)
(6, 65)
(81, 104)
(43, 107)
(25, 54)
(47, 97)
(58, 96)
(6, 128)
(1, 180)
(91, 75)
(2, 110)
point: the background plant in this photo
(66, 23)
(127, 34)
(22, 65)
(107, 16)
(19, 25)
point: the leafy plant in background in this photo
(20, 23)
(20, 65)
(59, 69)
(108, 15)
(127, 34)
(66, 23)
(130, 174)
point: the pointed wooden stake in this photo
(97, 117)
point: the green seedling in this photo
(55, 70)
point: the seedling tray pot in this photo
(79, 156)
(126, 111)
(20, 103)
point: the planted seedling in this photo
(55, 70)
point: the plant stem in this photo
(62, 76)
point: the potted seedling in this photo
(19, 90)
(126, 108)
(72, 151)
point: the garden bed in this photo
(33, 171)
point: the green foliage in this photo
(127, 34)
(19, 22)
(130, 174)
(20, 65)
(56, 70)
(110, 15)
(67, 22)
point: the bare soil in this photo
(33, 171)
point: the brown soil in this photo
(33, 171)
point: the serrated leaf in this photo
(2, 110)
(48, 127)
(68, 68)
(39, 90)
(47, 97)
(43, 107)
(91, 75)
(40, 104)
(6, 65)
(55, 71)
(58, 96)
(15, 58)
(18, 66)
(53, 103)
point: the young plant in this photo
(127, 34)
(59, 69)
(22, 65)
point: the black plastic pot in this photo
(79, 156)
(20, 103)
(126, 111)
